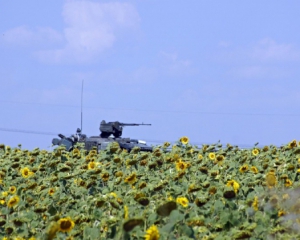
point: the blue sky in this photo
(209, 70)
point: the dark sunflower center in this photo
(65, 225)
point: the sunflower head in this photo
(255, 203)
(281, 213)
(200, 157)
(4, 194)
(288, 183)
(234, 184)
(220, 158)
(92, 165)
(131, 179)
(271, 179)
(126, 212)
(142, 185)
(51, 191)
(152, 233)
(255, 152)
(184, 140)
(212, 156)
(117, 159)
(254, 169)
(65, 224)
(12, 189)
(212, 190)
(180, 166)
(244, 168)
(183, 201)
(25, 172)
(293, 144)
(14, 200)
(105, 176)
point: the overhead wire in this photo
(139, 110)
(148, 140)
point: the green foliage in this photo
(212, 192)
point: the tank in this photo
(109, 132)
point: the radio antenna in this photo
(81, 104)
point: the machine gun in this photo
(115, 128)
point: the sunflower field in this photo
(175, 192)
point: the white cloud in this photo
(266, 59)
(224, 44)
(269, 50)
(91, 28)
(174, 65)
(258, 72)
(23, 35)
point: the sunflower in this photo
(93, 153)
(51, 191)
(2, 202)
(180, 166)
(105, 177)
(4, 194)
(76, 152)
(125, 212)
(92, 165)
(143, 163)
(142, 185)
(131, 179)
(285, 196)
(117, 159)
(234, 184)
(255, 151)
(293, 144)
(255, 203)
(254, 169)
(211, 156)
(288, 183)
(183, 201)
(265, 148)
(166, 144)
(200, 157)
(14, 200)
(193, 188)
(281, 213)
(113, 194)
(170, 198)
(119, 174)
(244, 168)
(220, 158)
(184, 140)
(26, 172)
(212, 190)
(271, 179)
(152, 233)
(65, 224)
(12, 189)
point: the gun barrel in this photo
(135, 124)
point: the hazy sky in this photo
(209, 70)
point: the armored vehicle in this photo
(109, 132)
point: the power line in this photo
(26, 131)
(148, 140)
(157, 110)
